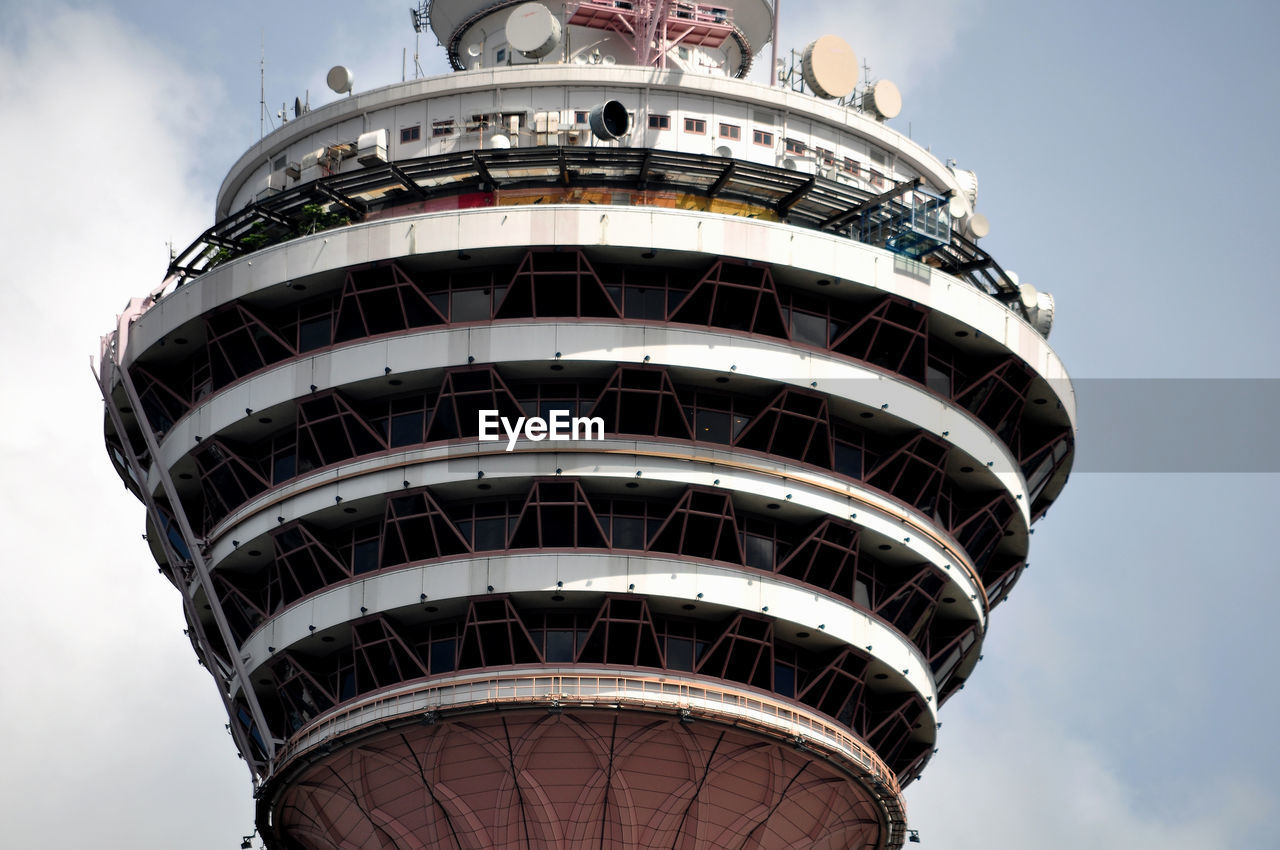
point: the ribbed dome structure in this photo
(795, 427)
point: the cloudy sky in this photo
(1126, 159)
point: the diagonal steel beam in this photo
(791, 199)
(723, 180)
(871, 203)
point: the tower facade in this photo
(590, 448)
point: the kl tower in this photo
(590, 448)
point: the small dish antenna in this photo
(532, 30)
(958, 207)
(473, 54)
(883, 100)
(968, 183)
(979, 226)
(724, 151)
(609, 59)
(340, 79)
(1039, 307)
(499, 142)
(829, 67)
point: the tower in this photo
(590, 447)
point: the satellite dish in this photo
(474, 50)
(340, 79)
(789, 164)
(978, 225)
(884, 100)
(1045, 307)
(1039, 306)
(297, 107)
(580, 59)
(499, 141)
(724, 151)
(533, 30)
(958, 207)
(830, 67)
(968, 182)
(609, 60)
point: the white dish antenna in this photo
(724, 151)
(474, 50)
(533, 30)
(883, 100)
(1039, 307)
(340, 79)
(979, 226)
(968, 182)
(609, 59)
(830, 67)
(499, 141)
(958, 207)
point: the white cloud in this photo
(1013, 774)
(112, 734)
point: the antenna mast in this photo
(421, 20)
(262, 86)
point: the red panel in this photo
(583, 779)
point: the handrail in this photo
(606, 691)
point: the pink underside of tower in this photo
(582, 779)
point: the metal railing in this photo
(598, 691)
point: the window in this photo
(442, 128)
(795, 147)
(760, 137)
(278, 165)
(501, 55)
(850, 166)
(580, 116)
(730, 131)
(826, 157)
(695, 125)
(659, 122)
(410, 134)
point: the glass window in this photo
(679, 654)
(712, 425)
(642, 302)
(580, 116)
(442, 128)
(410, 134)
(806, 327)
(695, 125)
(730, 131)
(795, 147)
(759, 552)
(469, 305)
(659, 122)
(442, 655)
(628, 532)
(501, 55)
(559, 646)
(761, 137)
